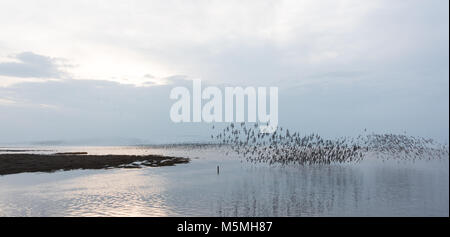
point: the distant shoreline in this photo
(20, 163)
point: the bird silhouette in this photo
(292, 148)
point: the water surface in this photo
(370, 188)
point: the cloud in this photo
(90, 109)
(6, 102)
(340, 65)
(31, 65)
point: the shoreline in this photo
(21, 163)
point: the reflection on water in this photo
(371, 188)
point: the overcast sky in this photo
(91, 71)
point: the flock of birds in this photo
(284, 147)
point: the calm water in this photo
(370, 188)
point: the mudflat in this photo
(19, 163)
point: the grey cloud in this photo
(32, 65)
(178, 80)
(389, 73)
(93, 111)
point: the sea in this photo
(219, 182)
